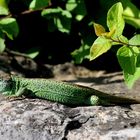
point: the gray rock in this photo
(35, 119)
(30, 119)
(106, 123)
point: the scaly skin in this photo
(61, 92)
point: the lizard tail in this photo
(111, 100)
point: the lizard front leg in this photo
(20, 94)
(22, 91)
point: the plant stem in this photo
(123, 43)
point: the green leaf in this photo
(136, 52)
(37, 4)
(133, 21)
(135, 40)
(80, 54)
(131, 13)
(138, 61)
(32, 53)
(63, 24)
(2, 42)
(59, 18)
(48, 13)
(127, 59)
(101, 45)
(2, 45)
(77, 7)
(123, 39)
(9, 26)
(4, 7)
(115, 19)
(79, 17)
(71, 5)
(131, 79)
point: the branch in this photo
(25, 12)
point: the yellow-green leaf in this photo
(135, 40)
(101, 45)
(4, 7)
(115, 19)
(99, 29)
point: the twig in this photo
(16, 53)
(24, 12)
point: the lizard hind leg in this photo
(92, 100)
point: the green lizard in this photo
(62, 92)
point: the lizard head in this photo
(5, 86)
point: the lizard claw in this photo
(13, 98)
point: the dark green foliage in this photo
(75, 18)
